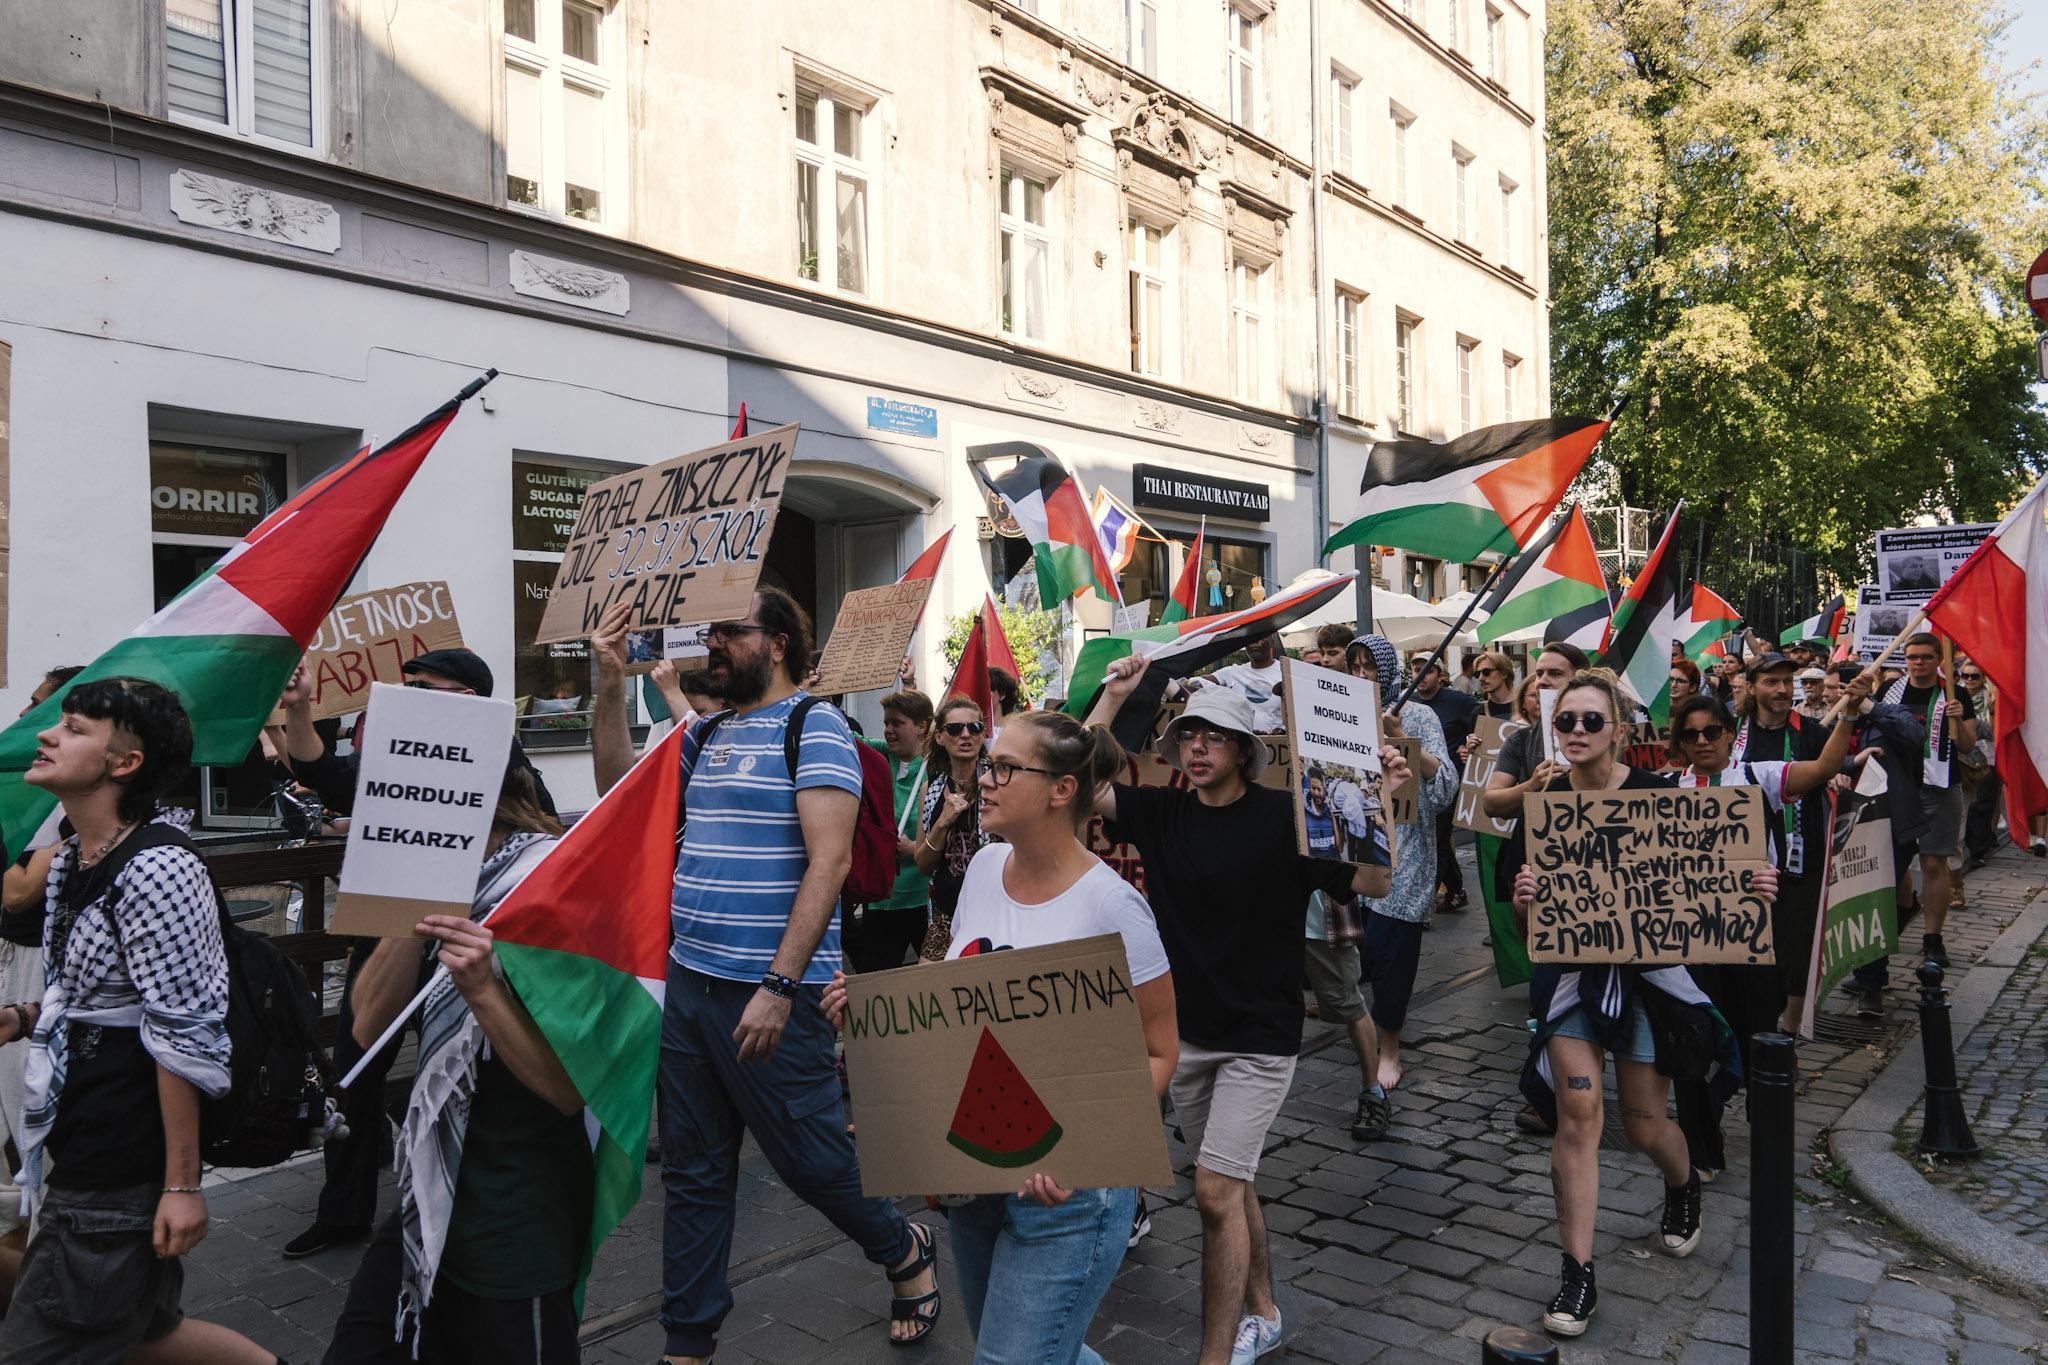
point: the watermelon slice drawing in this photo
(1000, 1121)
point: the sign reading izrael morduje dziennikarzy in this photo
(682, 541)
(369, 637)
(1649, 876)
(432, 766)
(1914, 561)
(1340, 797)
(970, 1075)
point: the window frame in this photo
(1496, 46)
(1468, 393)
(240, 88)
(1510, 379)
(1407, 370)
(830, 163)
(1343, 120)
(1137, 276)
(1045, 234)
(1462, 162)
(1351, 321)
(1251, 311)
(1507, 221)
(1244, 87)
(558, 73)
(1145, 61)
(1402, 138)
(1454, 22)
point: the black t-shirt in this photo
(1799, 740)
(1230, 894)
(1455, 712)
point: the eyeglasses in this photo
(726, 630)
(1000, 771)
(1592, 722)
(438, 687)
(958, 728)
(1214, 739)
(1694, 734)
(1923, 658)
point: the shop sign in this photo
(210, 492)
(1175, 490)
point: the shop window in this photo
(1153, 570)
(552, 683)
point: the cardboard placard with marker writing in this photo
(1488, 735)
(869, 637)
(1341, 805)
(369, 637)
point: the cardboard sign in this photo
(646, 648)
(1404, 803)
(1878, 623)
(1340, 801)
(1648, 746)
(369, 637)
(1488, 735)
(1912, 563)
(968, 1076)
(432, 767)
(1650, 876)
(1149, 768)
(1859, 908)
(870, 636)
(682, 541)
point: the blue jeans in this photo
(710, 1100)
(1049, 1268)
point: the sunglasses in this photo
(959, 728)
(1484, 672)
(1592, 722)
(1694, 734)
(1972, 676)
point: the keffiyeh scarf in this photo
(1934, 771)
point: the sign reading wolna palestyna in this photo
(1175, 490)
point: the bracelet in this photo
(182, 1189)
(775, 983)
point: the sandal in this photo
(912, 1308)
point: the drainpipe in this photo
(1318, 122)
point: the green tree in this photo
(1793, 231)
(1030, 633)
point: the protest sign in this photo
(1135, 617)
(1149, 768)
(646, 648)
(1404, 802)
(968, 1076)
(369, 637)
(1488, 735)
(1648, 746)
(1546, 721)
(1648, 876)
(1859, 909)
(682, 541)
(1915, 561)
(870, 636)
(1333, 722)
(431, 772)
(1878, 623)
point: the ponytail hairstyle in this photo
(1090, 754)
(1603, 681)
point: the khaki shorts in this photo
(1225, 1102)
(1333, 974)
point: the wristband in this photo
(182, 1189)
(775, 983)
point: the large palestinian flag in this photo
(1824, 624)
(1555, 583)
(228, 643)
(1490, 489)
(1049, 508)
(1181, 605)
(584, 940)
(1179, 649)
(1638, 645)
(1711, 620)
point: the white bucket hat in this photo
(1218, 707)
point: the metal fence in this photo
(1772, 583)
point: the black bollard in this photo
(1517, 1346)
(1944, 1130)
(1773, 1062)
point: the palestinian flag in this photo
(1181, 606)
(1824, 625)
(927, 564)
(1556, 583)
(1490, 489)
(228, 643)
(1049, 509)
(1180, 649)
(584, 940)
(1712, 621)
(995, 641)
(1638, 644)
(739, 426)
(970, 675)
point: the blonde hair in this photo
(1601, 680)
(1495, 658)
(1088, 753)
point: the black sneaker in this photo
(1934, 950)
(1869, 1002)
(1141, 1223)
(319, 1238)
(1681, 1230)
(1572, 1308)
(1375, 1115)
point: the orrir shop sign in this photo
(209, 492)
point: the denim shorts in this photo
(1641, 1046)
(92, 1287)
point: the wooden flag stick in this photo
(1912, 627)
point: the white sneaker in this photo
(1255, 1337)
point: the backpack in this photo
(872, 874)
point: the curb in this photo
(1862, 1143)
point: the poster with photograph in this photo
(1341, 803)
(646, 648)
(1914, 561)
(1878, 622)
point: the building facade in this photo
(1204, 251)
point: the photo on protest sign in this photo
(646, 648)
(1649, 876)
(681, 541)
(1488, 736)
(870, 637)
(1878, 623)
(968, 1076)
(432, 766)
(1859, 909)
(368, 639)
(1913, 562)
(1340, 798)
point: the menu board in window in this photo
(545, 501)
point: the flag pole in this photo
(1437, 654)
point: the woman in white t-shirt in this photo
(1054, 1250)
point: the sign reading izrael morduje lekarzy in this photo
(1175, 490)
(970, 1075)
(432, 766)
(682, 541)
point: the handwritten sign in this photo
(1649, 876)
(1488, 735)
(1404, 802)
(432, 768)
(1148, 768)
(646, 648)
(967, 1076)
(1333, 720)
(870, 635)
(369, 637)
(682, 541)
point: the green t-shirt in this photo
(913, 888)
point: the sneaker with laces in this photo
(1141, 1223)
(1572, 1308)
(1375, 1115)
(1681, 1229)
(1869, 1002)
(1255, 1337)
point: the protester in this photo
(1211, 853)
(1010, 699)
(1455, 713)
(1585, 1012)
(479, 1261)
(1327, 651)
(130, 1033)
(1685, 677)
(889, 933)
(1495, 673)
(1812, 683)
(1258, 680)
(1987, 797)
(949, 831)
(1951, 719)
(1520, 770)
(1033, 1266)
(1467, 680)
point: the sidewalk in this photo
(1410, 1249)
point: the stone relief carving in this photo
(581, 286)
(252, 211)
(1032, 387)
(1161, 126)
(1155, 416)
(1098, 93)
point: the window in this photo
(1407, 8)
(1496, 46)
(1419, 577)
(1244, 68)
(1510, 371)
(1507, 222)
(559, 149)
(551, 684)
(1141, 23)
(831, 157)
(1468, 401)
(1155, 567)
(1026, 255)
(1454, 24)
(1404, 371)
(1148, 298)
(1343, 91)
(1461, 191)
(1404, 125)
(248, 66)
(1248, 329)
(1350, 316)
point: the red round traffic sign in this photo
(2037, 286)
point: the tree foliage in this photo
(1033, 635)
(1793, 232)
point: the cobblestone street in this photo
(1407, 1249)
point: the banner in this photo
(1147, 768)
(870, 636)
(1649, 876)
(1859, 908)
(1488, 735)
(1915, 561)
(968, 1076)
(682, 541)
(1333, 721)
(368, 638)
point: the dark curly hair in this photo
(151, 719)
